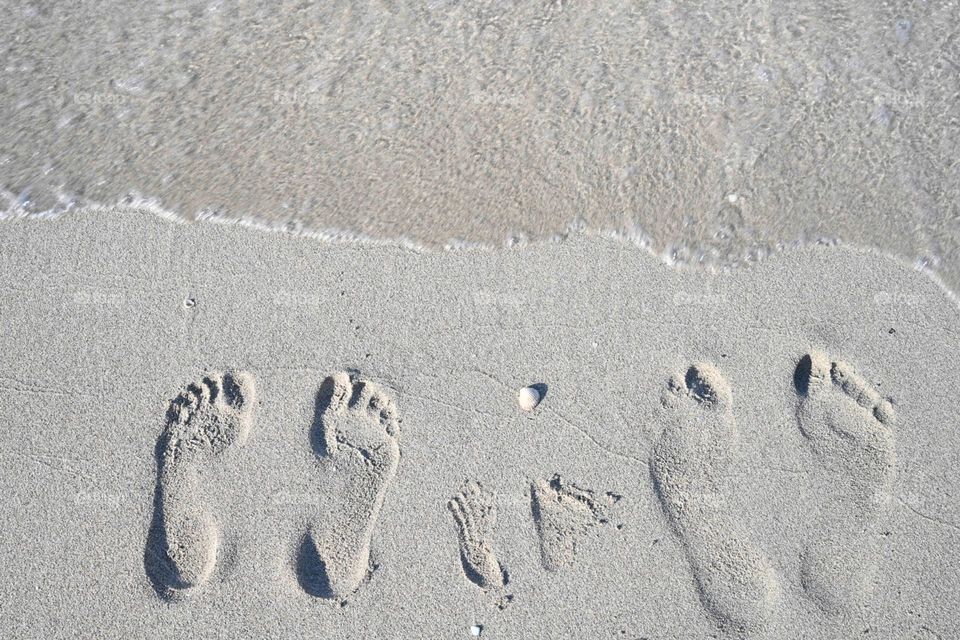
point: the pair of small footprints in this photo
(562, 513)
(848, 427)
(358, 431)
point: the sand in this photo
(215, 431)
(710, 132)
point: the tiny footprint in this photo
(356, 432)
(475, 515)
(849, 428)
(736, 584)
(202, 422)
(563, 514)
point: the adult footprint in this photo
(849, 428)
(202, 422)
(735, 583)
(356, 431)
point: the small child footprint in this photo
(564, 514)
(475, 515)
(202, 422)
(735, 583)
(849, 428)
(356, 432)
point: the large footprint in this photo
(357, 432)
(849, 427)
(736, 585)
(201, 423)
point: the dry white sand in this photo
(211, 431)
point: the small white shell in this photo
(528, 398)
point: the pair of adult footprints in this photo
(848, 426)
(358, 432)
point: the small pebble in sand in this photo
(528, 398)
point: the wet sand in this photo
(710, 135)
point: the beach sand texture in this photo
(214, 431)
(715, 132)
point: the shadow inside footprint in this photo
(156, 563)
(317, 439)
(312, 571)
(318, 432)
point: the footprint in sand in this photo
(564, 513)
(202, 422)
(356, 431)
(475, 516)
(849, 428)
(735, 583)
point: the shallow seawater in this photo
(710, 137)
